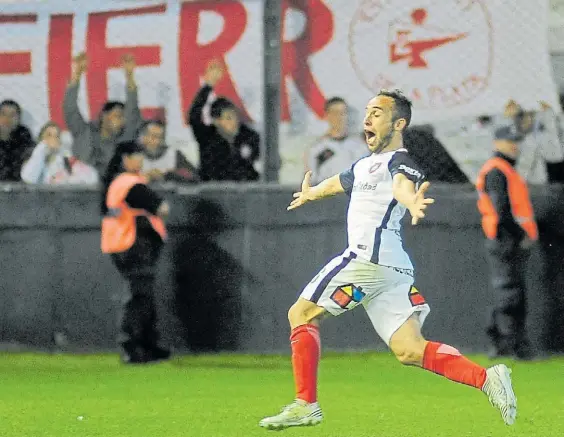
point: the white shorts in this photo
(387, 293)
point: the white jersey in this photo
(374, 216)
(329, 156)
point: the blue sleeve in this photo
(347, 180)
(402, 163)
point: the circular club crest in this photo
(439, 52)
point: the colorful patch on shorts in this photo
(344, 295)
(415, 297)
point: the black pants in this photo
(506, 327)
(138, 266)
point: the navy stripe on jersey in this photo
(375, 258)
(325, 281)
(347, 178)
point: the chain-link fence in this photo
(460, 61)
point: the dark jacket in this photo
(221, 160)
(14, 152)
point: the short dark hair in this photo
(143, 128)
(402, 105)
(115, 167)
(9, 102)
(333, 101)
(110, 105)
(219, 105)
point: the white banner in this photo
(454, 58)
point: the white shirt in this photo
(164, 162)
(374, 216)
(329, 156)
(57, 169)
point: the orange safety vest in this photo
(521, 206)
(118, 226)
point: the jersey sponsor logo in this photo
(374, 167)
(410, 171)
(364, 186)
(415, 297)
(347, 296)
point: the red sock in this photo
(306, 350)
(450, 363)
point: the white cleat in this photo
(298, 413)
(500, 392)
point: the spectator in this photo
(163, 163)
(228, 147)
(541, 144)
(336, 150)
(95, 142)
(547, 134)
(16, 142)
(50, 165)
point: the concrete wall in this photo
(236, 261)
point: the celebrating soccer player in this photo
(376, 272)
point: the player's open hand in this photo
(303, 196)
(420, 202)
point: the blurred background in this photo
(297, 74)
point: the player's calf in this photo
(407, 343)
(409, 353)
(411, 348)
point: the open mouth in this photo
(369, 135)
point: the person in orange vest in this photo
(133, 232)
(508, 222)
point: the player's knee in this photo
(296, 315)
(302, 313)
(409, 354)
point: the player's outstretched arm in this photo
(414, 200)
(328, 187)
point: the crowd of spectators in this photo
(229, 148)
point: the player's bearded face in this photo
(378, 127)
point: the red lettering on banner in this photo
(16, 62)
(102, 58)
(59, 59)
(194, 58)
(317, 33)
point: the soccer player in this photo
(376, 271)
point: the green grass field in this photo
(362, 395)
